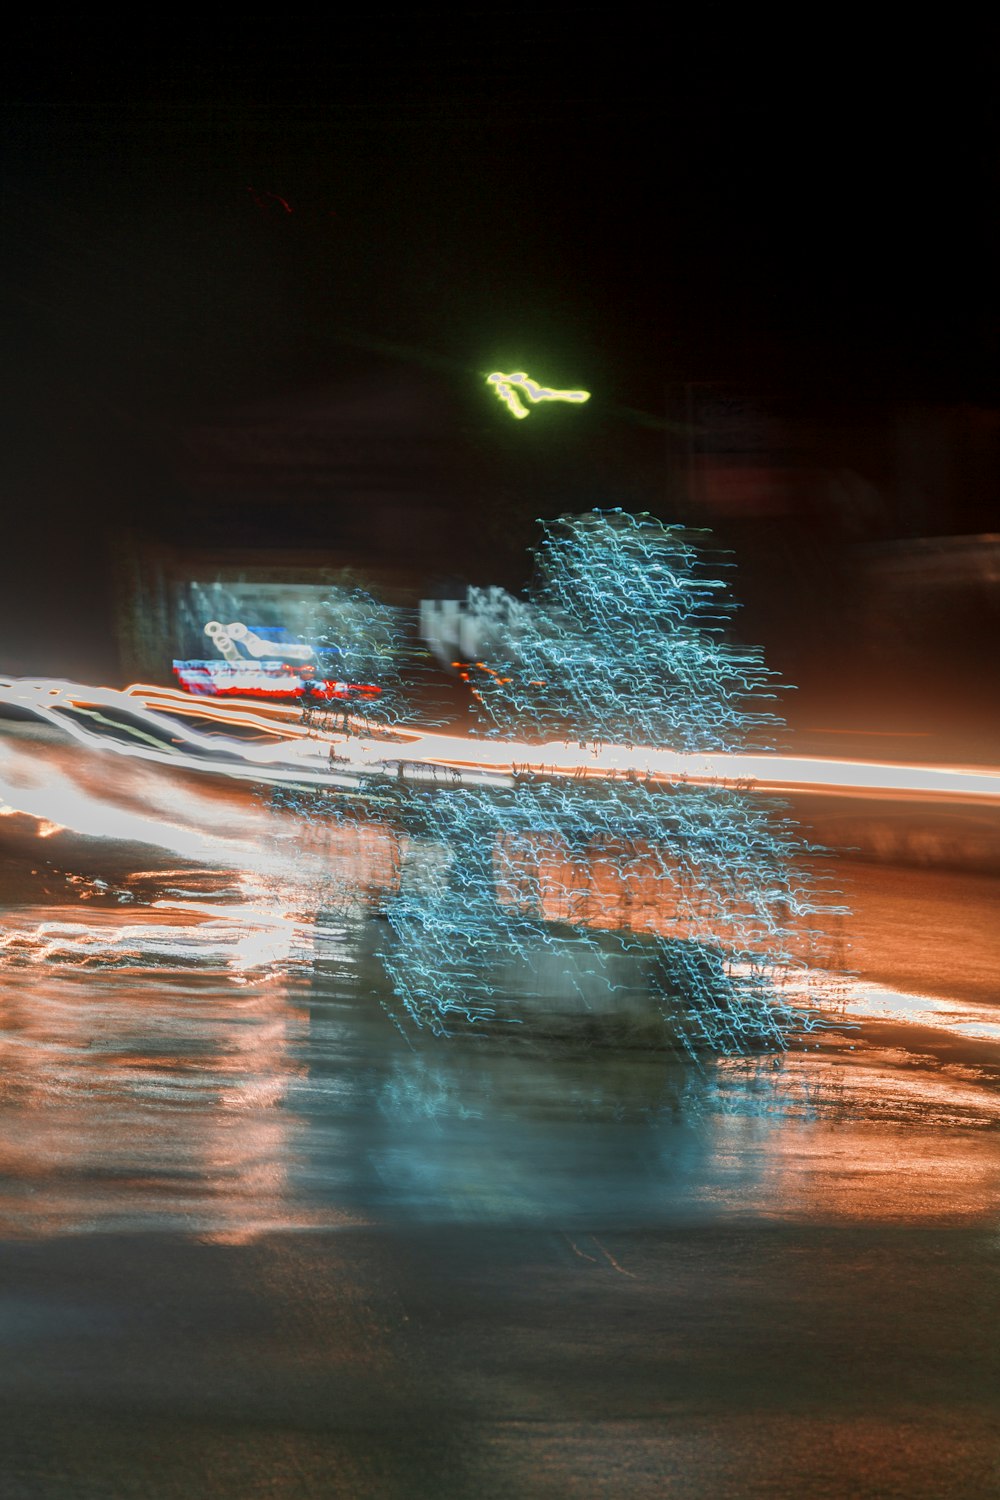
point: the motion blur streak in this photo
(270, 910)
(57, 802)
(292, 753)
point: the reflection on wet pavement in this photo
(255, 1238)
(210, 1045)
(211, 1062)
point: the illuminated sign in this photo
(223, 638)
(269, 643)
(510, 389)
(265, 679)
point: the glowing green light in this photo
(510, 388)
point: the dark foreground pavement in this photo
(760, 1360)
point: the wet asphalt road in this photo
(759, 1360)
(256, 1243)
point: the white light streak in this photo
(290, 753)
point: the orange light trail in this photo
(285, 751)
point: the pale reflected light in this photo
(863, 1000)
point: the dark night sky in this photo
(806, 208)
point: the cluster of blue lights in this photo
(627, 642)
(364, 641)
(679, 914)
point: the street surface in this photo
(255, 1241)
